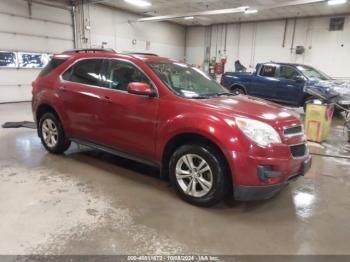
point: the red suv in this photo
(173, 116)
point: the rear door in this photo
(80, 94)
(289, 89)
(264, 83)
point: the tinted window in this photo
(119, 74)
(268, 71)
(85, 72)
(287, 72)
(67, 75)
(53, 64)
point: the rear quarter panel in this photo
(241, 79)
(45, 92)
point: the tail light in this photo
(33, 86)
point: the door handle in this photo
(106, 99)
(62, 89)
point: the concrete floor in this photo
(87, 202)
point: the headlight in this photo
(259, 132)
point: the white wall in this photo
(195, 45)
(49, 30)
(113, 26)
(252, 43)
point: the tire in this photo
(205, 188)
(52, 134)
(237, 91)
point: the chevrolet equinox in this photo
(161, 112)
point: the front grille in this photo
(298, 150)
(293, 131)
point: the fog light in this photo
(266, 172)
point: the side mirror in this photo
(139, 88)
(299, 79)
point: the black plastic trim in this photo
(251, 193)
(265, 172)
(116, 152)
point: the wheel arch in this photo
(41, 110)
(238, 85)
(185, 138)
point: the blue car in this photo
(292, 84)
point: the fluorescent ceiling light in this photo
(202, 13)
(188, 17)
(250, 11)
(336, 2)
(140, 3)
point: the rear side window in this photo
(52, 65)
(268, 70)
(85, 72)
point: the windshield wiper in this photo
(220, 94)
(226, 94)
(206, 96)
(199, 97)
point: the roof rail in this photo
(90, 50)
(140, 54)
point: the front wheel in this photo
(52, 134)
(199, 174)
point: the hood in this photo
(254, 108)
(328, 89)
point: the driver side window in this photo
(119, 74)
(287, 72)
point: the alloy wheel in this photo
(49, 133)
(194, 175)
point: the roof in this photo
(284, 63)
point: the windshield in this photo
(186, 81)
(312, 73)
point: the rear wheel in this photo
(52, 134)
(237, 91)
(199, 174)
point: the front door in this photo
(130, 120)
(289, 89)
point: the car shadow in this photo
(112, 163)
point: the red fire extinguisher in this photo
(218, 68)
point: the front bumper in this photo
(250, 193)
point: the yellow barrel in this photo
(318, 121)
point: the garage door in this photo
(48, 30)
